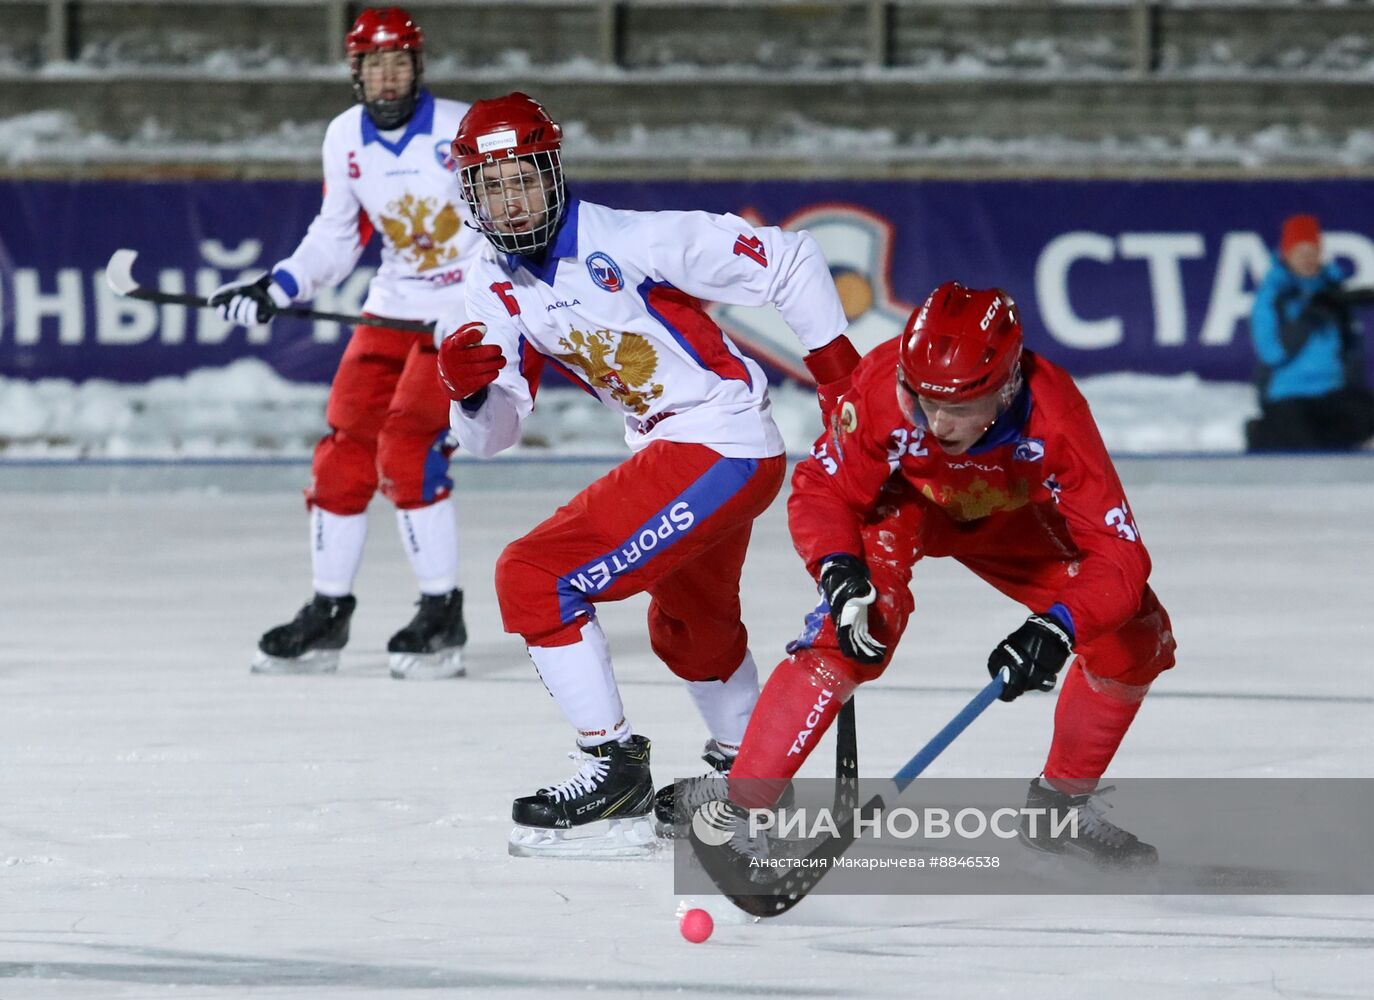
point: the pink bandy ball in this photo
(697, 926)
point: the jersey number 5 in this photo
(751, 247)
(503, 292)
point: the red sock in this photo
(796, 707)
(1090, 720)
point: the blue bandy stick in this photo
(927, 754)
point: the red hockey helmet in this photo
(963, 343)
(508, 152)
(386, 29)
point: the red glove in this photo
(466, 365)
(832, 366)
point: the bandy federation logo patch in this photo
(605, 272)
(1029, 450)
(443, 152)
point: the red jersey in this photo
(1043, 457)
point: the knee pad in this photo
(413, 468)
(705, 650)
(531, 604)
(343, 475)
(1135, 654)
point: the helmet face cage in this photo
(387, 29)
(533, 185)
(908, 399)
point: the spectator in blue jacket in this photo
(1312, 383)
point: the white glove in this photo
(248, 303)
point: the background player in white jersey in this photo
(612, 298)
(386, 165)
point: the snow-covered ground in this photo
(173, 826)
(247, 410)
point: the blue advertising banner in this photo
(1141, 276)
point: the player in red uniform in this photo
(954, 441)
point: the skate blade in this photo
(427, 666)
(316, 661)
(1067, 869)
(627, 837)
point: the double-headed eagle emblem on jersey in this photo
(978, 501)
(420, 231)
(624, 364)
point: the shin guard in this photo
(1090, 720)
(797, 706)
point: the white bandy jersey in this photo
(407, 189)
(616, 305)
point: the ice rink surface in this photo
(172, 826)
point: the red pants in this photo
(1020, 555)
(389, 425)
(673, 521)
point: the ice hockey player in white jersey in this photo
(614, 300)
(386, 167)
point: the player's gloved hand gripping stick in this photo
(252, 297)
(849, 591)
(1032, 656)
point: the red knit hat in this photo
(1299, 229)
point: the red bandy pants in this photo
(389, 425)
(673, 521)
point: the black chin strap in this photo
(387, 115)
(392, 114)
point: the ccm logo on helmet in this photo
(938, 388)
(990, 314)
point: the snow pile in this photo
(55, 137)
(244, 409)
(247, 410)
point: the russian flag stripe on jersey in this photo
(682, 316)
(531, 366)
(667, 526)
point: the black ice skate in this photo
(602, 811)
(310, 642)
(675, 804)
(1098, 839)
(726, 847)
(430, 648)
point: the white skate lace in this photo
(1095, 823)
(590, 771)
(698, 791)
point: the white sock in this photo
(727, 705)
(581, 680)
(430, 537)
(336, 550)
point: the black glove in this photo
(1033, 654)
(849, 590)
(249, 302)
